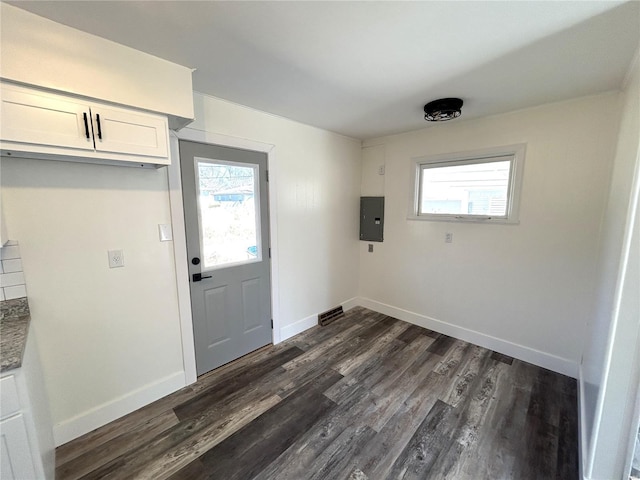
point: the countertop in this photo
(14, 326)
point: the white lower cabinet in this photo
(39, 124)
(27, 449)
(16, 461)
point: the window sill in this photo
(463, 219)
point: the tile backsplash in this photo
(12, 284)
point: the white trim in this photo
(181, 262)
(300, 326)
(114, 409)
(623, 264)
(521, 352)
(210, 138)
(583, 441)
(633, 432)
(517, 154)
(349, 304)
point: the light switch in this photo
(164, 229)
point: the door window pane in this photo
(229, 213)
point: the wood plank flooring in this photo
(367, 397)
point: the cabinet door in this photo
(15, 453)
(117, 130)
(44, 120)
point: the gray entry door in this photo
(227, 222)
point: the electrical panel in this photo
(372, 219)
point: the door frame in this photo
(180, 237)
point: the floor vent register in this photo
(329, 316)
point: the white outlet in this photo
(116, 258)
(448, 237)
(381, 170)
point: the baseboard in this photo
(351, 303)
(311, 321)
(300, 326)
(107, 412)
(521, 352)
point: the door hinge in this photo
(269, 252)
(272, 323)
(266, 173)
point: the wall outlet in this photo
(381, 170)
(371, 247)
(116, 258)
(448, 237)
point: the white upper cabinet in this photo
(117, 130)
(35, 119)
(38, 124)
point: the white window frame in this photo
(516, 154)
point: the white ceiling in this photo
(365, 69)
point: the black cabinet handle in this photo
(198, 277)
(86, 125)
(99, 128)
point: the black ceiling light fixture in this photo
(443, 109)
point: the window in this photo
(228, 212)
(481, 186)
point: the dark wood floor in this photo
(367, 397)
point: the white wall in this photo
(610, 368)
(372, 171)
(109, 338)
(317, 176)
(525, 290)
